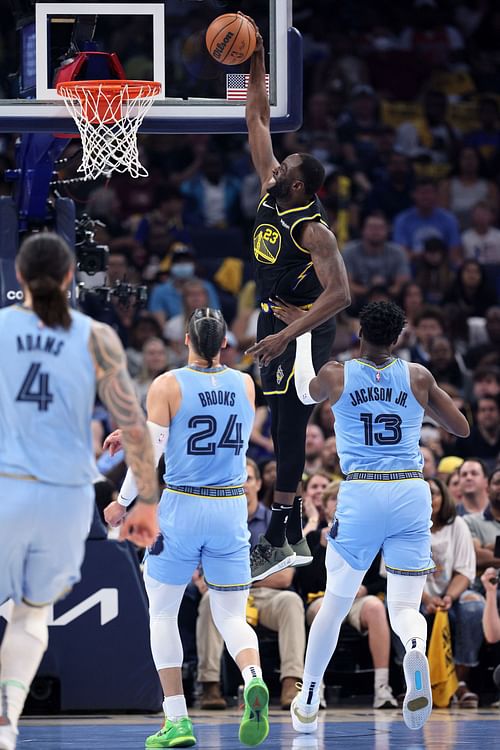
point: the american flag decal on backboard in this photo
(236, 86)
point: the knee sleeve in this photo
(34, 621)
(164, 603)
(342, 580)
(229, 614)
(23, 646)
(404, 595)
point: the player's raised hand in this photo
(140, 526)
(114, 513)
(259, 46)
(113, 442)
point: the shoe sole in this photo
(308, 727)
(301, 560)
(417, 705)
(287, 562)
(187, 741)
(255, 729)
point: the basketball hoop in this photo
(108, 115)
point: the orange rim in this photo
(134, 89)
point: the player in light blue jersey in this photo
(202, 415)
(384, 503)
(53, 359)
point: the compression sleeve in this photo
(304, 368)
(128, 491)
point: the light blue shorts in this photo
(206, 531)
(43, 528)
(392, 516)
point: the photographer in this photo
(491, 617)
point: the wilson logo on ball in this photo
(221, 46)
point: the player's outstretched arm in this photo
(258, 115)
(312, 388)
(159, 396)
(439, 405)
(116, 390)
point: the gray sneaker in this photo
(303, 554)
(266, 559)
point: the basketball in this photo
(231, 39)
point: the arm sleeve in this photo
(128, 491)
(304, 368)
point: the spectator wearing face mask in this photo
(165, 301)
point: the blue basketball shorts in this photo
(43, 528)
(206, 531)
(394, 516)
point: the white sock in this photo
(21, 652)
(175, 707)
(248, 673)
(381, 677)
(309, 695)
(416, 643)
(12, 696)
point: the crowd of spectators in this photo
(402, 106)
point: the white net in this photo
(108, 116)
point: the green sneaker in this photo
(266, 559)
(254, 726)
(303, 554)
(173, 734)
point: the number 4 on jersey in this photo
(35, 388)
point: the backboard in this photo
(162, 41)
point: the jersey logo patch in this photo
(266, 243)
(279, 374)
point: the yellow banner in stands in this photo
(442, 667)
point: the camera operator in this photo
(116, 314)
(491, 617)
(105, 293)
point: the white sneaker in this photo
(304, 718)
(8, 737)
(384, 698)
(417, 704)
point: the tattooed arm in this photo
(116, 390)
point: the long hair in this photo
(43, 261)
(207, 329)
(448, 511)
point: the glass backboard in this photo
(162, 41)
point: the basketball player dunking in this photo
(296, 259)
(384, 503)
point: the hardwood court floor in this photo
(340, 729)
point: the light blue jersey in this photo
(209, 435)
(47, 393)
(203, 510)
(378, 419)
(384, 503)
